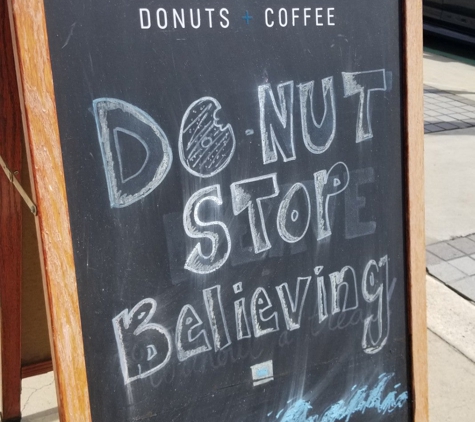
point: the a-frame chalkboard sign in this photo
(231, 206)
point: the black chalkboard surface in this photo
(234, 175)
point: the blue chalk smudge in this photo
(298, 412)
(262, 373)
(358, 402)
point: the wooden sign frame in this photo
(42, 134)
(24, 350)
(10, 226)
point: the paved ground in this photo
(450, 196)
(453, 262)
(446, 111)
(38, 399)
(449, 75)
(449, 117)
(450, 229)
(450, 239)
(451, 323)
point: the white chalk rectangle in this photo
(262, 372)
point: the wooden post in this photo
(415, 243)
(10, 227)
(46, 170)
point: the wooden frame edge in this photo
(36, 369)
(415, 233)
(49, 191)
(10, 228)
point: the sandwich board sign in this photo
(239, 202)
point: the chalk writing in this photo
(380, 398)
(205, 146)
(262, 373)
(375, 289)
(148, 134)
(235, 184)
(277, 122)
(187, 323)
(197, 261)
(363, 84)
(192, 334)
(340, 176)
(133, 332)
(318, 136)
(260, 306)
(291, 207)
(293, 313)
(263, 215)
(249, 194)
(214, 309)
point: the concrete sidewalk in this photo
(450, 224)
(450, 214)
(451, 325)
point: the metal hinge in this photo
(18, 187)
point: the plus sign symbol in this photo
(247, 17)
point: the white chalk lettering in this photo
(249, 194)
(261, 304)
(197, 261)
(292, 307)
(145, 347)
(140, 128)
(337, 280)
(375, 290)
(318, 136)
(277, 122)
(337, 173)
(205, 145)
(214, 308)
(363, 84)
(242, 324)
(187, 343)
(140, 343)
(321, 296)
(289, 217)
